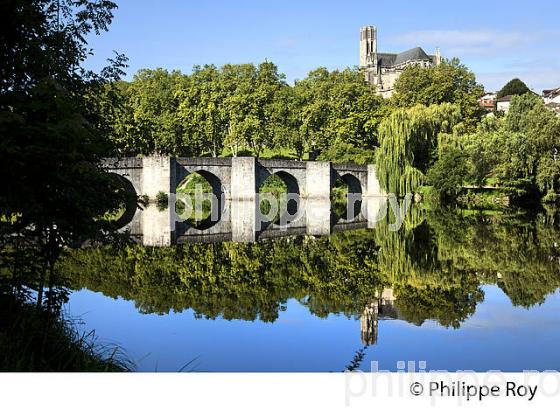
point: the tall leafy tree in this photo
(449, 82)
(335, 107)
(154, 104)
(51, 134)
(408, 141)
(513, 87)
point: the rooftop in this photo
(392, 59)
(551, 93)
(505, 98)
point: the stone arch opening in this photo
(199, 199)
(346, 197)
(284, 189)
(127, 209)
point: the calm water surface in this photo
(458, 290)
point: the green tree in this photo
(449, 172)
(520, 151)
(408, 140)
(201, 110)
(260, 123)
(52, 134)
(154, 103)
(449, 82)
(513, 87)
(335, 108)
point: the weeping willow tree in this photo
(408, 138)
(395, 261)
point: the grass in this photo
(34, 339)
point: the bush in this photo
(162, 200)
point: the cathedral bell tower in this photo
(368, 52)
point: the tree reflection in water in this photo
(432, 269)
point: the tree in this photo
(238, 80)
(51, 134)
(449, 82)
(513, 87)
(449, 172)
(154, 103)
(260, 123)
(408, 140)
(335, 107)
(201, 110)
(520, 150)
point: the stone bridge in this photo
(236, 182)
(240, 178)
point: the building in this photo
(488, 101)
(381, 308)
(551, 96)
(383, 69)
(502, 104)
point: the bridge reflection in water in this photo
(243, 221)
(236, 205)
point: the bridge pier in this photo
(243, 183)
(373, 188)
(318, 180)
(318, 216)
(244, 220)
(157, 176)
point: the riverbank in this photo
(34, 339)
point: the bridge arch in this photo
(188, 196)
(353, 192)
(130, 206)
(291, 206)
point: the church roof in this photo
(386, 59)
(411, 55)
(392, 59)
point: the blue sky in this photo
(497, 39)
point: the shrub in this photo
(162, 200)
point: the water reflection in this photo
(322, 270)
(243, 221)
(434, 268)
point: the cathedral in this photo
(383, 69)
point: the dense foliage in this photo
(51, 133)
(409, 138)
(52, 136)
(449, 82)
(435, 266)
(519, 152)
(513, 87)
(237, 108)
